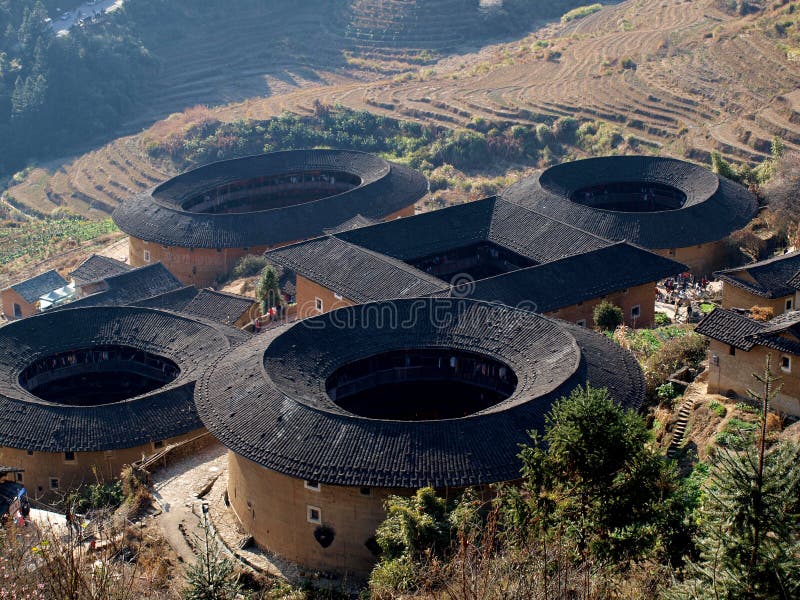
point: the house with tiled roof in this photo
(489, 249)
(771, 283)
(675, 208)
(326, 418)
(22, 299)
(97, 268)
(84, 391)
(739, 346)
(200, 223)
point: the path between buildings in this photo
(176, 488)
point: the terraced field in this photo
(681, 77)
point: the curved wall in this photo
(273, 508)
(86, 468)
(202, 266)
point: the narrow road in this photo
(175, 489)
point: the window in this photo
(365, 491)
(786, 364)
(789, 304)
(581, 323)
(158, 444)
(313, 514)
(146, 255)
(30, 452)
(312, 485)
(672, 251)
(17, 311)
(318, 304)
(19, 477)
(337, 296)
(69, 456)
(54, 483)
(732, 350)
(636, 311)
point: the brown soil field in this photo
(683, 77)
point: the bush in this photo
(667, 392)
(608, 316)
(250, 265)
(718, 409)
(687, 350)
(580, 12)
(662, 319)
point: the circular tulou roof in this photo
(714, 208)
(30, 423)
(158, 215)
(267, 399)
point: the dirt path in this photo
(176, 489)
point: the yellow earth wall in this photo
(734, 297)
(702, 259)
(40, 467)
(734, 373)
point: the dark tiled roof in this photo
(98, 267)
(174, 300)
(157, 216)
(218, 306)
(730, 327)
(524, 231)
(715, 207)
(771, 278)
(131, 287)
(29, 423)
(354, 223)
(794, 282)
(266, 399)
(366, 264)
(354, 272)
(574, 279)
(34, 288)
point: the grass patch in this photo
(40, 239)
(580, 12)
(718, 409)
(707, 307)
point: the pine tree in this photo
(211, 577)
(750, 530)
(268, 289)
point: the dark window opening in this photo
(69, 456)
(17, 311)
(732, 350)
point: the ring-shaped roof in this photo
(714, 208)
(27, 422)
(158, 215)
(266, 400)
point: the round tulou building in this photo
(85, 391)
(200, 223)
(670, 206)
(326, 418)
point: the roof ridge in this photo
(553, 219)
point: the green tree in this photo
(608, 316)
(268, 289)
(595, 480)
(750, 529)
(416, 529)
(211, 576)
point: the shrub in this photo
(761, 313)
(608, 316)
(687, 350)
(718, 409)
(662, 319)
(667, 392)
(250, 265)
(580, 12)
